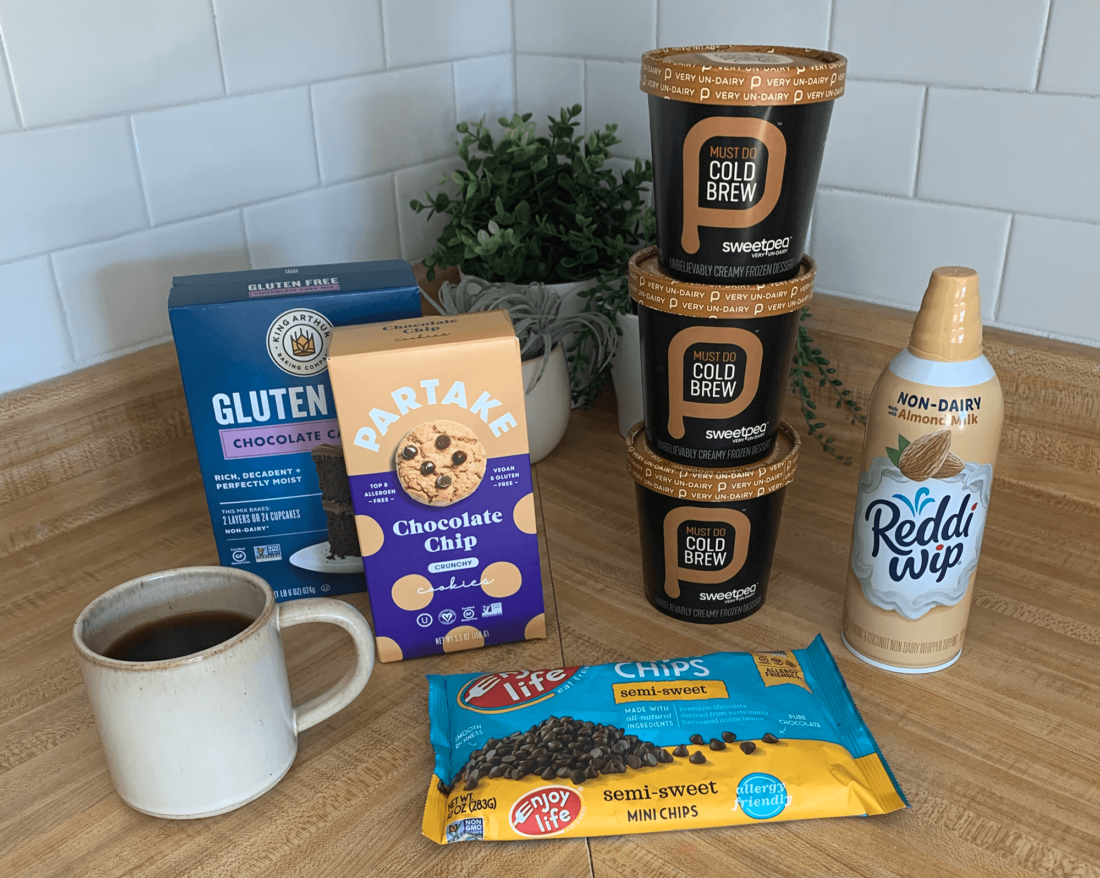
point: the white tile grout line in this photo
(11, 82)
(260, 91)
(71, 342)
(1042, 47)
(515, 72)
(397, 216)
(997, 293)
(956, 204)
(915, 305)
(316, 138)
(454, 94)
(244, 237)
(920, 142)
(413, 67)
(382, 24)
(222, 211)
(218, 42)
(140, 176)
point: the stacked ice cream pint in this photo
(738, 134)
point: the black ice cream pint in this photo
(708, 535)
(737, 133)
(715, 362)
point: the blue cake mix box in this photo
(253, 350)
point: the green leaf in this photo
(903, 443)
(894, 455)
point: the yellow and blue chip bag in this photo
(715, 740)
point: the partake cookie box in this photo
(253, 350)
(437, 456)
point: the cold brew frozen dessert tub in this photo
(738, 133)
(715, 362)
(708, 535)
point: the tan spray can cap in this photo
(948, 327)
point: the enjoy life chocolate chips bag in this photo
(716, 740)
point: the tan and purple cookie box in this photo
(435, 441)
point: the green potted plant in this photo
(530, 208)
(543, 331)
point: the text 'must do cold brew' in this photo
(715, 362)
(738, 133)
(708, 535)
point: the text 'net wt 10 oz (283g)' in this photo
(716, 740)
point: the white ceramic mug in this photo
(205, 733)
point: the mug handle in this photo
(311, 712)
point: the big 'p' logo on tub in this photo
(705, 379)
(729, 174)
(707, 546)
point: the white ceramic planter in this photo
(548, 400)
(626, 373)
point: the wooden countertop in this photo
(999, 755)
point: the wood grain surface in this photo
(999, 755)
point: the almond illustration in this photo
(923, 457)
(952, 466)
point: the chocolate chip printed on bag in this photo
(933, 429)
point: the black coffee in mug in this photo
(174, 636)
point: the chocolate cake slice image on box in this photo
(341, 553)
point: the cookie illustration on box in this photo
(440, 462)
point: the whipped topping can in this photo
(933, 429)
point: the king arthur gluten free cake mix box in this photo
(436, 450)
(253, 349)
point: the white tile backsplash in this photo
(1069, 60)
(612, 96)
(9, 115)
(885, 249)
(873, 138)
(377, 123)
(1044, 286)
(484, 89)
(76, 59)
(268, 44)
(67, 185)
(427, 31)
(620, 29)
(779, 22)
(317, 122)
(208, 157)
(352, 222)
(982, 43)
(418, 233)
(1031, 153)
(544, 85)
(116, 293)
(36, 344)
